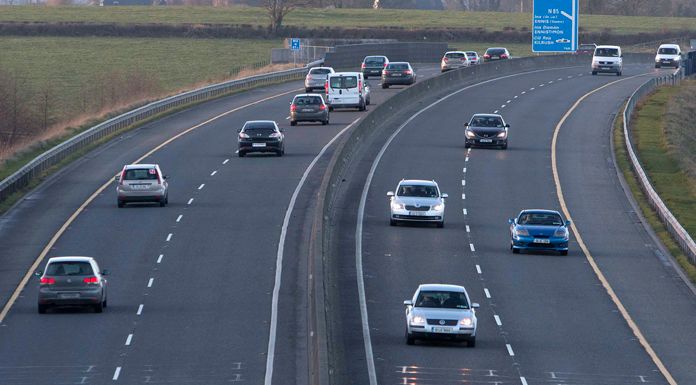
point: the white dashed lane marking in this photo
(225, 161)
(464, 211)
(129, 339)
(117, 373)
(509, 101)
(140, 309)
(178, 219)
(149, 283)
(463, 196)
(503, 106)
(201, 186)
(464, 170)
(488, 293)
(509, 349)
(463, 182)
(523, 92)
(496, 111)
(190, 201)
(169, 237)
(213, 173)
(497, 320)
(159, 259)
(516, 97)
(532, 89)
(478, 269)
(467, 229)
(471, 245)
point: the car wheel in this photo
(385, 85)
(440, 224)
(120, 203)
(293, 123)
(105, 303)
(42, 309)
(367, 102)
(618, 73)
(409, 339)
(362, 107)
(471, 342)
(657, 66)
(504, 146)
(467, 145)
(515, 251)
(594, 72)
(98, 308)
(393, 222)
(366, 77)
(162, 203)
(564, 252)
(241, 154)
(325, 122)
(166, 199)
(331, 108)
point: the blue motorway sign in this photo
(555, 26)
(295, 44)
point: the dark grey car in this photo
(496, 53)
(398, 73)
(260, 136)
(308, 108)
(486, 130)
(72, 281)
(373, 66)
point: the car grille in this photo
(448, 322)
(540, 236)
(420, 208)
(606, 62)
(487, 135)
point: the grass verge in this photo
(648, 212)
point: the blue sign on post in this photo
(555, 26)
(295, 44)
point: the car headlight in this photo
(439, 207)
(521, 233)
(470, 134)
(466, 322)
(561, 232)
(502, 134)
(397, 206)
(418, 321)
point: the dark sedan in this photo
(260, 136)
(373, 65)
(539, 230)
(496, 53)
(486, 130)
(308, 108)
(398, 73)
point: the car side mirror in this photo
(390, 193)
(445, 196)
(282, 130)
(511, 221)
(38, 273)
(166, 177)
(568, 222)
(408, 302)
(466, 124)
(507, 125)
(475, 305)
(105, 272)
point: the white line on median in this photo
(149, 283)
(178, 219)
(270, 357)
(159, 259)
(129, 339)
(488, 293)
(117, 373)
(509, 349)
(497, 320)
(140, 309)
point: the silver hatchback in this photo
(316, 78)
(142, 183)
(72, 281)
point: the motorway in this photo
(192, 285)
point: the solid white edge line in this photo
(140, 309)
(361, 211)
(159, 259)
(150, 282)
(268, 379)
(497, 320)
(509, 349)
(117, 373)
(129, 339)
(488, 293)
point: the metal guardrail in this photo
(22, 177)
(686, 243)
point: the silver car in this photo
(72, 281)
(439, 311)
(308, 108)
(142, 183)
(453, 60)
(417, 200)
(316, 78)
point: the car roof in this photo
(487, 115)
(609, 46)
(496, 48)
(382, 56)
(308, 94)
(418, 182)
(399, 62)
(545, 211)
(669, 46)
(70, 259)
(441, 287)
(259, 121)
(345, 74)
(321, 67)
(140, 165)
(455, 52)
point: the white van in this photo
(668, 55)
(346, 90)
(607, 58)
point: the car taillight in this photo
(322, 107)
(362, 66)
(91, 280)
(386, 72)
(326, 87)
(48, 281)
(360, 86)
(445, 60)
(408, 72)
(309, 77)
(293, 107)
(487, 56)
(503, 56)
(123, 176)
(385, 65)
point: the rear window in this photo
(398, 66)
(607, 52)
(667, 51)
(486, 121)
(454, 55)
(471, 54)
(307, 100)
(141, 174)
(344, 82)
(495, 51)
(319, 71)
(374, 60)
(69, 268)
(264, 131)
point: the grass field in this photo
(495, 21)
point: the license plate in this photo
(441, 329)
(606, 68)
(139, 186)
(495, 57)
(486, 140)
(69, 295)
(396, 74)
(258, 145)
(417, 213)
(307, 110)
(541, 240)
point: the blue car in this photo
(539, 230)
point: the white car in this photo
(417, 200)
(439, 311)
(346, 90)
(453, 60)
(668, 55)
(607, 58)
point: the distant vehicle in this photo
(496, 53)
(417, 201)
(373, 65)
(539, 230)
(398, 73)
(72, 281)
(346, 90)
(142, 183)
(668, 55)
(453, 60)
(440, 311)
(608, 59)
(473, 57)
(316, 78)
(308, 108)
(586, 49)
(486, 130)
(260, 136)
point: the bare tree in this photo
(278, 9)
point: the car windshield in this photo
(422, 191)
(495, 51)
(344, 82)
(442, 299)
(398, 66)
(140, 174)
(667, 51)
(69, 268)
(540, 219)
(374, 60)
(307, 101)
(320, 71)
(454, 55)
(607, 52)
(486, 121)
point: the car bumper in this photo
(606, 68)
(398, 80)
(268, 147)
(486, 142)
(67, 298)
(372, 71)
(346, 103)
(315, 84)
(429, 332)
(447, 67)
(527, 243)
(141, 196)
(418, 216)
(309, 116)
(667, 63)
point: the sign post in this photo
(294, 47)
(555, 26)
